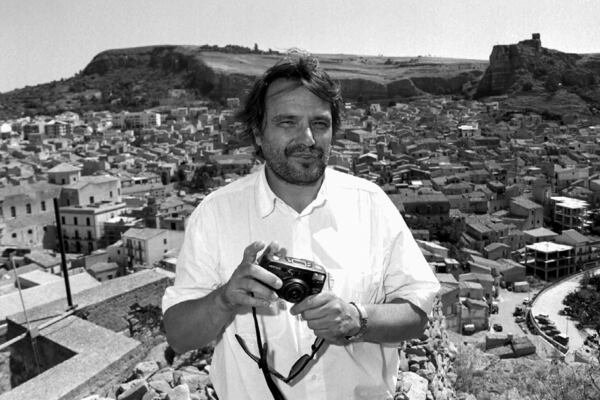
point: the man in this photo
(379, 288)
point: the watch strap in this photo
(363, 319)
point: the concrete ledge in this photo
(92, 355)
(100, 353)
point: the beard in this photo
(297, 164)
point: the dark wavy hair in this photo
(297, 66)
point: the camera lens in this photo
(294, 290)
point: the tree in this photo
(552, 83)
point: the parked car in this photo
(468, 329)
(518, 311)
(497, 327)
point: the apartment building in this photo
(142, 119)
(549, 260)
(83, 225)
(147, 246)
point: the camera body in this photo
(301, 278)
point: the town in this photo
(504, 205)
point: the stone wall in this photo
(426, 364)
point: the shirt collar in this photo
(266, 199)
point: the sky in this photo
(45, 40)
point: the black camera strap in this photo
(263, 363)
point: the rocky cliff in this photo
(530, 73)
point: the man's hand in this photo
(250, 284)
(330, 317)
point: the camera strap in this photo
(263, 363)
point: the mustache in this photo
(303, 150)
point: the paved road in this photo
(550, 303)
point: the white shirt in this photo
(354, 231)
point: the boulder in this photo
(145, 368)
(180, 392)
(194, 380)
(135, 391)
(412, 386)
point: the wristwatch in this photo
(363, 319)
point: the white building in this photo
(83, 226)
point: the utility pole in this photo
(63, 259)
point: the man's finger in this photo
(251, 251)
(272, 248)
(313, 301)
(262, 275)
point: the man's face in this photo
(297, 133)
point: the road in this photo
(550, 303)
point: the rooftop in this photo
(548, 247)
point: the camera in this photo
(300, 277)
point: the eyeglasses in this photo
(298, 366)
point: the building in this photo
(549, 260)
(83, 225)
(531, 213)
(147, 246)
(587, 249)
(64, 174)
(509, 271)
(539, 235)
(91, 189)
(568, 213)
(142, 119)
(27, 215)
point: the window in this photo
(91, 199)
(87, 221)
(90, 247)
(74, 220)
(28, 208)
(62, 220)
(110, 194)
(89, 234)
(13, 211)
(62, 181)
(165, 241)
(76, 235)
(14, 235)
(43, 205)
(119, 191)
(30, 231)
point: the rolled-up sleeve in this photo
(407, 274)
(196, 271)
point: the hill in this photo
(543, 80)
(523, 77)
(143, 77)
